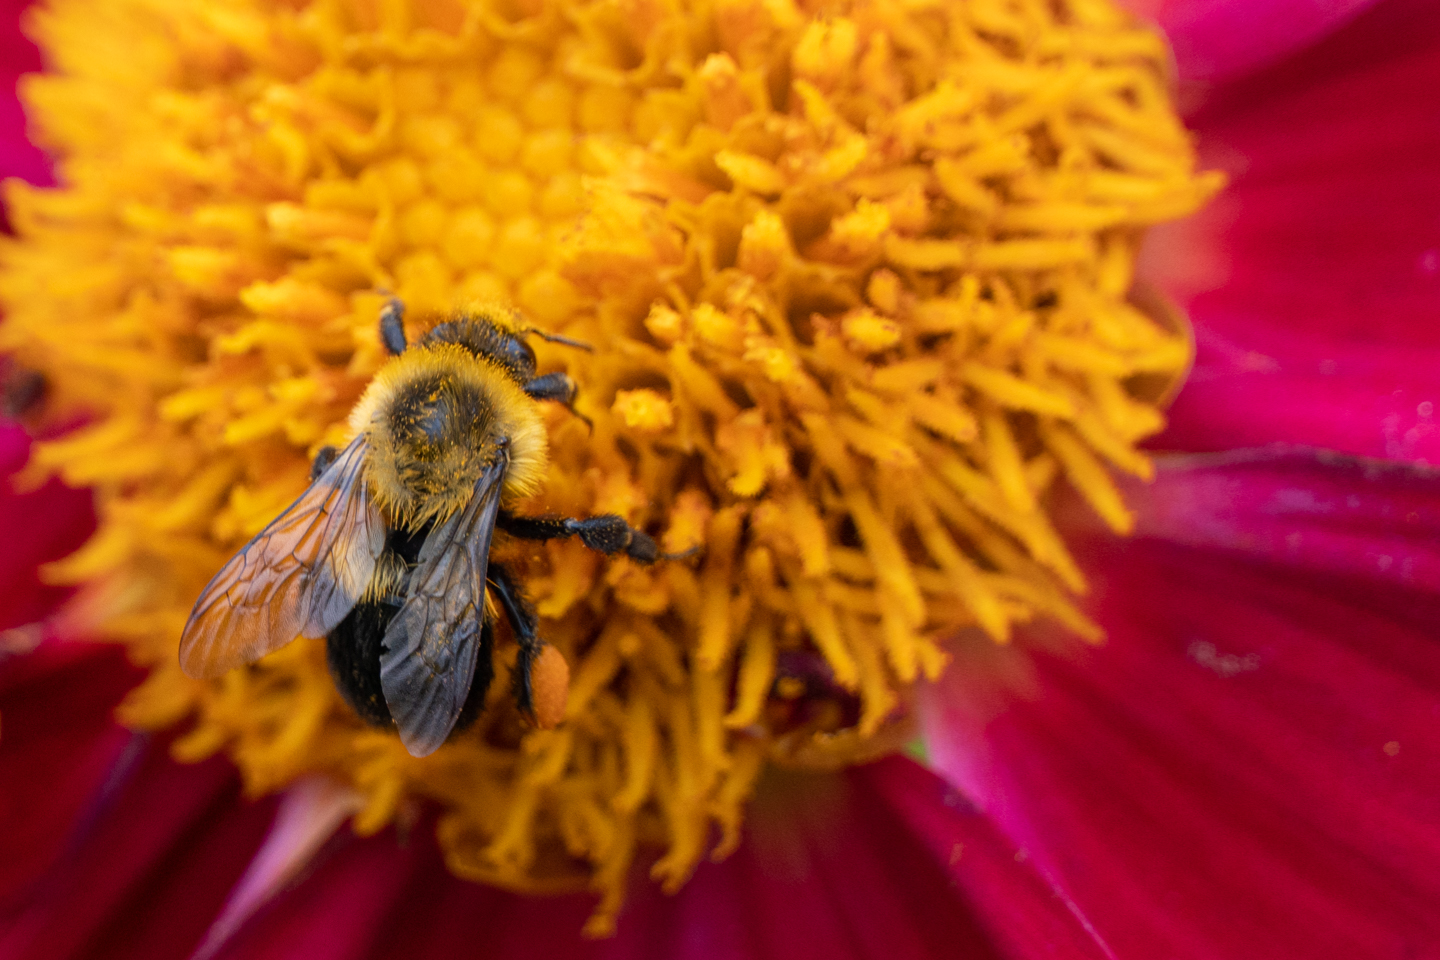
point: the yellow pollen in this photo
(858, 276)
(643, 410)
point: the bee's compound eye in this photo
(526, 353)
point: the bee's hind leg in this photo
(525, 626)
(392, 326)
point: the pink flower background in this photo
(1248, 768)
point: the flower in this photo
(1246, 768)
(955, 857)
(857, 280)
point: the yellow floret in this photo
(857, 276)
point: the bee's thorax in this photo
(435, 419)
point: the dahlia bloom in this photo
(1249, 714)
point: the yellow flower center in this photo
(858, 278)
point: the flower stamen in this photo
(859, 276)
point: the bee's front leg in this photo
(392, 326)
(323, 458)
(552, 386)
(558, 387)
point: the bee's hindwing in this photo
(300, 575)
(428, 659)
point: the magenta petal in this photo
(1026, 914)
(1217, 39)
(889, 861)
(1326, 249)
(40, 526)
(148, 868)
(57, 739)
(883, 862)
(58, 746)
(338, 912)
(310, 812)
(1367, 520)
(1248, 768)
(18, 156)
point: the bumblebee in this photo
(387, 552)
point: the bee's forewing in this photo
(300, 575)
(427, 661)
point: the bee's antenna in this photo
(557, 338)
(682, 555)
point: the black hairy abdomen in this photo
(353, 648)
(353, 651)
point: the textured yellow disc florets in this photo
(858, 276)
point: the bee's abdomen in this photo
(353, 652)
(353, 649)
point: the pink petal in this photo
(57, 740)
(58, 747)
(1248, 767)
(1028, 914)
(1217, 39)
(339, 909)
(310, 813)
(18, 156)
(145, 874)
(886, 861)
(1369, 521)
(40, 526)
(1325, 250)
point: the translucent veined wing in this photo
(300, 575)
(427, 662)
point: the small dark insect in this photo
(387, 553)
(21, 392)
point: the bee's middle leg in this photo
(607, 533)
